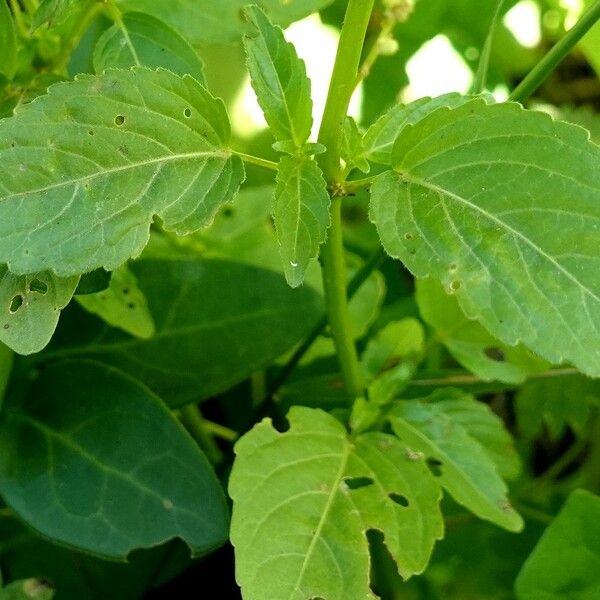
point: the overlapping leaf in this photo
(93, 459)
(87, 167)
(440, 429)
(142, 40)
(503, 206)
(304, 500)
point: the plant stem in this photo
(192, 420)
(355, 284)
(480, 80)
(255, 160)
(18, 18)
(555, 56)
(220, 431)
(343, 79)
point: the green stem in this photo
(544, 68)
(480, 80)
(18, 18)
(255, 160)
(192, 420)
(355, 185)
(343, 79)
(355, 284)
(220, 431)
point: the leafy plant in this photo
(366, 354)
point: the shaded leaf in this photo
(30, 307)
(6, 362)
(462, 465)
(27, 589)
(304, 499)
(55, 12)
(87, 167)
(8, 42)
(144, 41)
(566, 562)
(466, 204)
(279, 79)
(122, 305)
(469, 342)
(91, 458)
(301, 215)
(353, 151)
(211, 318)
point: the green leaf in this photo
(91, 458)
(144, 41)
(6, 363)
(380, 137)
(30, 306)
(27, 589)
(219, 21)
(279, 79)
(304, 500)
(301, 215)
(353, 151)
(466, 204)
(206, 312)
(55, 12)
(122, 305)
(8, 42)
(87, 167)
(462, 465)
(468, 342)
(546, 402)
(566, 562)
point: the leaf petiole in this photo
(257, 161)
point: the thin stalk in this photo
(192, 420)
(343, 79)
(355, 284)
(356, 185)
(220, 431)
(255, 160)
(556, 55)
(375, 52)
(18, 18)
(480, 80)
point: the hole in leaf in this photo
(435, 466)
(455, 285)
(16, 303)
(355, 483)
(131, 305)
(35, 285)
(399, 499)
(495, 354)
(453, 266)
(187, 113)
(385, 580)
(6, 326)
(408, 236)
(119, 120)
(91, 132)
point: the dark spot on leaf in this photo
(119, 120)
(455, 285)
(434, 466)
(408, 236)
(16, 303)
(355, 483)
(228, 212)
(187, 113)
(35, 285)
(6, 326)
(131, 305)
(12, 144)
(125, 291)
(399, 499)
(453, 266)
(495, 354)
(91, 132)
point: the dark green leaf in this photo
(93, 459)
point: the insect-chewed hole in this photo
(399, 499)
(455, 285)
(91, 132)
(495, 354)
(187, 113)
(435, 466)
(35, 285)
(119, 120)
(16, 303)
(355, 483)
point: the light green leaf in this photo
(353, 151)
(92, 459)
(6, 363)
(380, 137)
(468, 342)
(8, 42)
(55, 12)
(565, 565)
(470, 204)
(207, 312)
(27, 589)
(483, 425)
(87, 167)
(556, 405)
(144, 41)
(301, 214)
(30, 306)
(279, 79)
(122, 305)
(462, 465)
(304, 500)
(219, 21)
